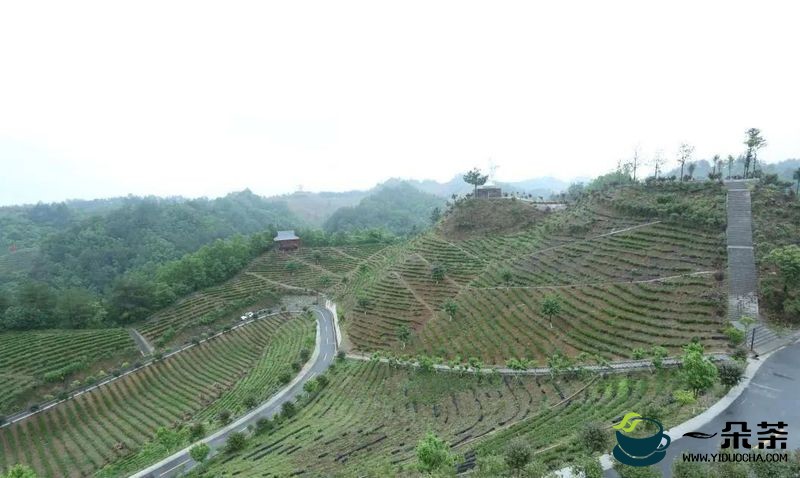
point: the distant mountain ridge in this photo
(542, 186)
(317, 207)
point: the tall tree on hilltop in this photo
(635, 161)
(475, 178)
(658, 162)
(754, 142)
(685, 152)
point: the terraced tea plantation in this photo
(552, 433)
(111, 423)
(314, 268)
(264, 280)
(368, 420)
(609, 320)
(621, 282)
(32, 359)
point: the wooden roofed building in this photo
(287, 241)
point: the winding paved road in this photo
(324, 354)
(770, 396)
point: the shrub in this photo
(626, 471)
(425, 364)
(264, 425)
(735, 335)
(688, 469)
(288, 409)
(535, 469)
(740, 354)
(433, 454)
(296, 366)
(518, 454)
(250, 401)
(684, 397)
(197, 431)
(304, 355)
(594, 437)
(20, 471)
(323, 381)
(730, 374)
(491, 466)
(698, 371)
(199, 452)
(310, 386)
(729, 468)
(341, 355)
(587, 467)
(638, 353)
(773, 469)
(224, 416)
(659, 353)
(236, 442)
(284, 378)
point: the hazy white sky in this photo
(194, 98)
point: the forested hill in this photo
(400, 208)
(88, 256)
(93, 251)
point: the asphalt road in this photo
(771, 397)
(324, 354)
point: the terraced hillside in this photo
(36, 364)
(30, 361)
(262, 282)
(368, 420)
(623, 281)
(116, 423)
(552, 433)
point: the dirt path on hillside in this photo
(274, 282)
(144, 346)
(342, 253)
(564, 286)
(318, 267)
(446, 278)
(413, 292)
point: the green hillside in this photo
(627, 266)
(401, 209)
(367, 421)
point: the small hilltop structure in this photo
(287, 241)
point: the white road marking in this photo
(176, 466)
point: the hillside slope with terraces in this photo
(629, 267)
